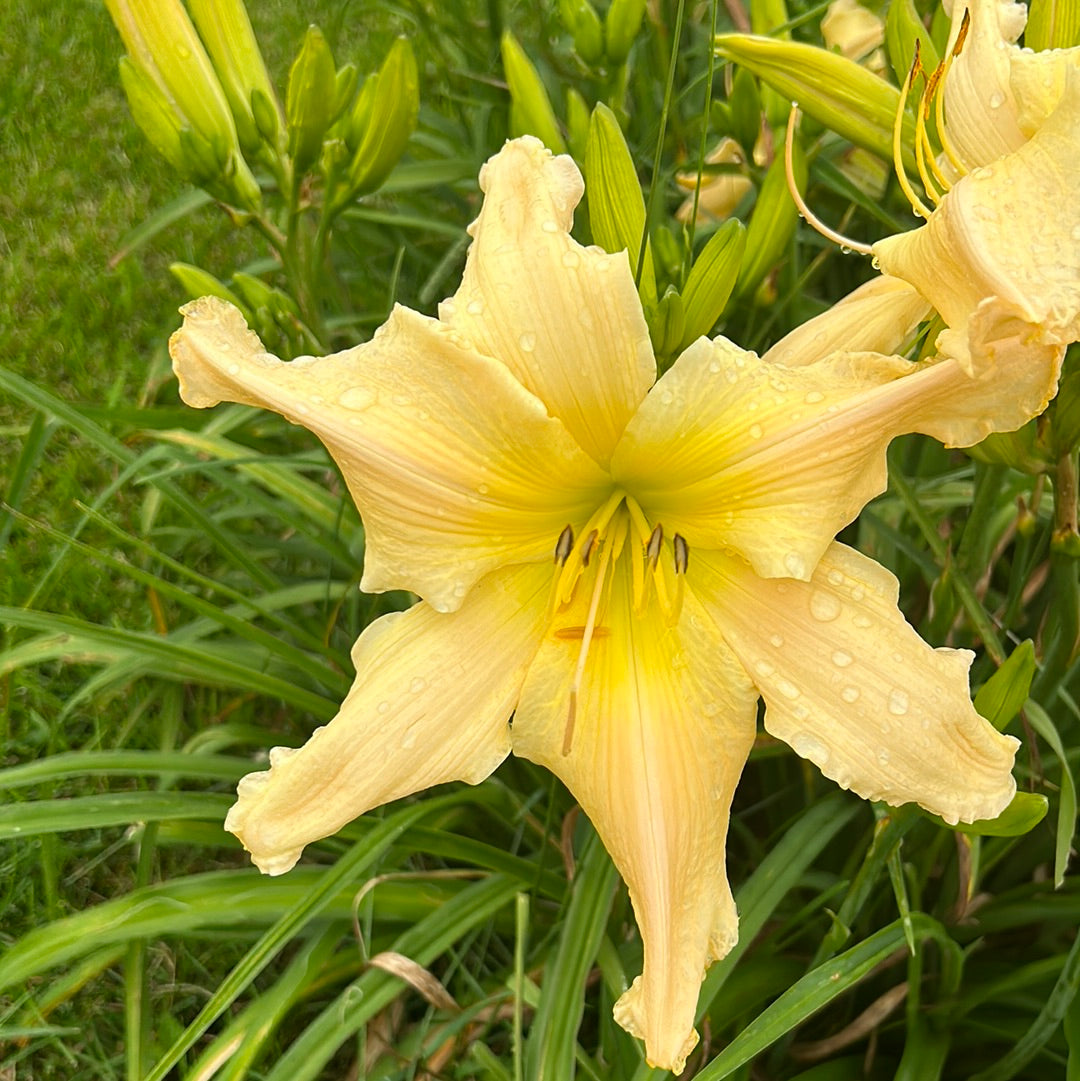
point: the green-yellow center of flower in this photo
(618, 528)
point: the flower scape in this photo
(614, 567)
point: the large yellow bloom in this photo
(1000, 255)
(621, 567)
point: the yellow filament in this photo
(810, 217)
(917, 204)
(607, 551)
(939, 105)
(923, 150)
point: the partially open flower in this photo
(619, 563)
(999, 257)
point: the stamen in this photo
(809, 216)
(564, 546)
(682, 553)
(923, 149)
(586, 641)
(917, 204)
(588, 546)
(652, 549)
(939, 106)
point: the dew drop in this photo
(898, 703)
(714, 365)
(862, 622)
(814, 397)
(710, 709)
(550, 226)
(527, 342)
(475, 307)
(234, 369)
(997, 99)
(482, 489)
(824, 607)
(835, 577)
(755, 431)
(358, 398)
(417, 685)
(850, 694)
(384, 707)
(883, 757)
(777, 640)
(570, 259)
(787, 689)
(763, 668)
(841, 659)
(459, 589)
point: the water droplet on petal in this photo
(234, 369)
(550, 226)
(527, 342)
(570, 259)
(417, 685)
(460, 589)
(475, 307)
(850, 694)
(763, 668)
(898, 702)
(883, 756)
(835, 577)
(787, 689)
(358, 398)
(755, 431)
(814, 397)
(824, 607)
(841, 659)
(482, 489)
(997, 99)
(384, 707)
(777, 640)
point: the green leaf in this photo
(1066, 822)
(903, 28)
(1003, 695)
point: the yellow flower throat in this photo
(619, 526)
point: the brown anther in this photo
(916, 66)
(965, 24)
(682, 553)
(589, 547)
(652, 549)
(564, 545)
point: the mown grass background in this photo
(170, 643)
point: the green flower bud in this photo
(309, 99)
(621, 26)
(531, 111)
(225, 28)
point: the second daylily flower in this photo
(622, 567)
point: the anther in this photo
(564, 546)
(589, 547)
(652, 548)
(682, 553)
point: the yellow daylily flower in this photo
(999, 256)
(619, 563)
(856, 32)
(720, 193)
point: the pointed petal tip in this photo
(664, 1051)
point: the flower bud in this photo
(309, 99)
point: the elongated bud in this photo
(666, 323)
(309, 99)
(616, 205)
(168, 71)
(200, 283)
(393, 103)
(835, 91)
(621, 26)
(225, 28)
(530, 107)
(711, 280)
(344, 89)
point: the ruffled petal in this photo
(981, 111)
(456, 469)
(879, 317)
(849, 685)
(968, 250)
(733, 452)
(431, 703)
(664, 723)
(566, 320)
